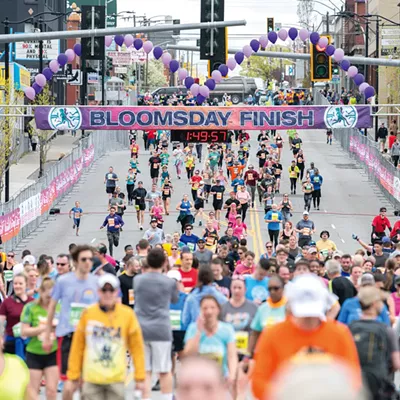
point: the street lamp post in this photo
(7, 85)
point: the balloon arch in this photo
(203, 91)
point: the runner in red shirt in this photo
(379, 225)
(195, 182)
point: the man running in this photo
(110, 181)
(218, 192)
(77, 212)
(154, 163)
(139, 195)
(114, 223)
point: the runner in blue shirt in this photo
(77, 213)
(317, 181)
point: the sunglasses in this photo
(174, 248)
(274, 288)
(62, 264)
(268, 247)
(11, 255)
(105, 290)
(240, 253)
(188, 229)
(84, 259)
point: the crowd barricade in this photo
(28, 208)
(366, 153)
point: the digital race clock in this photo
(199, 136)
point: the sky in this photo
(255, 12)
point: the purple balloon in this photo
(157, 52)
(231, 63)
(210, 83)
(40, 79)
(138, 43)
(304, 34)
(173, 66)
(194, 89)
(37, 88)
(338, 55)
(314, 37)
(128, 40)
(70, 55)
(345, 65)
(78, 49)
(54, 66)
(239, 57)
(293, 32)
(62, 59)
(330, 50)
(323, 42)
(352, 71)
(369, 92)
(108, 40)
(359, 79)
(47, 72)
(200, 99)
(282, 34)
(204, 91)
(362, 87)
(247, 51)
(223, 69)
(255, 45)
(166, 59)
(189, 82)
(119, 39)
(30, 92)
(182, 74)
(217, 76)
(263, 41)
(147, 46)
(272, 37)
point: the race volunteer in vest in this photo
(379, 225)
(114, 223)
(74, 291)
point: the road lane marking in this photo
(333, 226)
(93, 240)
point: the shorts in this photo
(158, 357)
(166, 197)
(92, 391)
(140, 207)
(198, 205)
(41, 361)
(110, 189)
(178, 341)
(277, 177)
(217, 205)
(65, 348)
(154, 173)
(77, 222)
(207, 188)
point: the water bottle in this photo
(354, 236)
(137, 395)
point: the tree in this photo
(155, 74)
(44, 98)
(9, 127)
(305, 10)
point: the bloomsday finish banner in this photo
(248, 118)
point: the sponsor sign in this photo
(29, 51)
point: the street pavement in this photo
(349, 202)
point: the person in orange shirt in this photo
(235, 170)
(305, 331)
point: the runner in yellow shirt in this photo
(325, 246)
(294, 172)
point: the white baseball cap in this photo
(307, 297)
(174, 274)
(29, 259)
(110, 279)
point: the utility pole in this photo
(366, 67)
(327, 22)
(7, 84)
(40, 46)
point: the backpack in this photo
(372, 342)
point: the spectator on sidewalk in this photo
(395, 152)
(382, 135)
(392, 138)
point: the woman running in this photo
(287, 231)
(185, 214)
(293, 175)
(308, 189)
(300, 162)
(40, 363)
(207, 179)
(130, 185)
(178, 160)
(244, 198)
(199, 202)
(286, 208)
(279, 144)
(166, 191)
(210, 235)
(240, 228)
(189, 164)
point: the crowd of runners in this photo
(202, 307)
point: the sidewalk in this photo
(26, 170)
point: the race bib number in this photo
(191, 246)
(109, 176)
(111, 222)
(219, 196)
(75, 313)
(175, 319)
(316, 179)
(166, 192)
(277, 171)
(250, 177)
(8, 275)
(77, 215)
(17, 330)
(155, 166)
(210, 241)
(134, 150)
(195, 186)
(297, 145)
(263, 156)
(242, 340)
(131, 297)
(306, 231)
(275, 217)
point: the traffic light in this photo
(93, 17)
(217, 60)
(321, 63)
(213, 41)
(109, 65)
(335, 69)
(176, 32)
(270, 24)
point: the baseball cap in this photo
(367, 280)
(312, 250)
(306, 213)
(385, 239)
(18, 269)
(395, 254)
(110, 279)
(29, 259)
(201, 240)
(153, 220)
(307, 297)
(337, 254)
(368, 295)
(174, 274)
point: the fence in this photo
(30, 207)
(365, 151)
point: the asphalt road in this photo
(349, 202)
